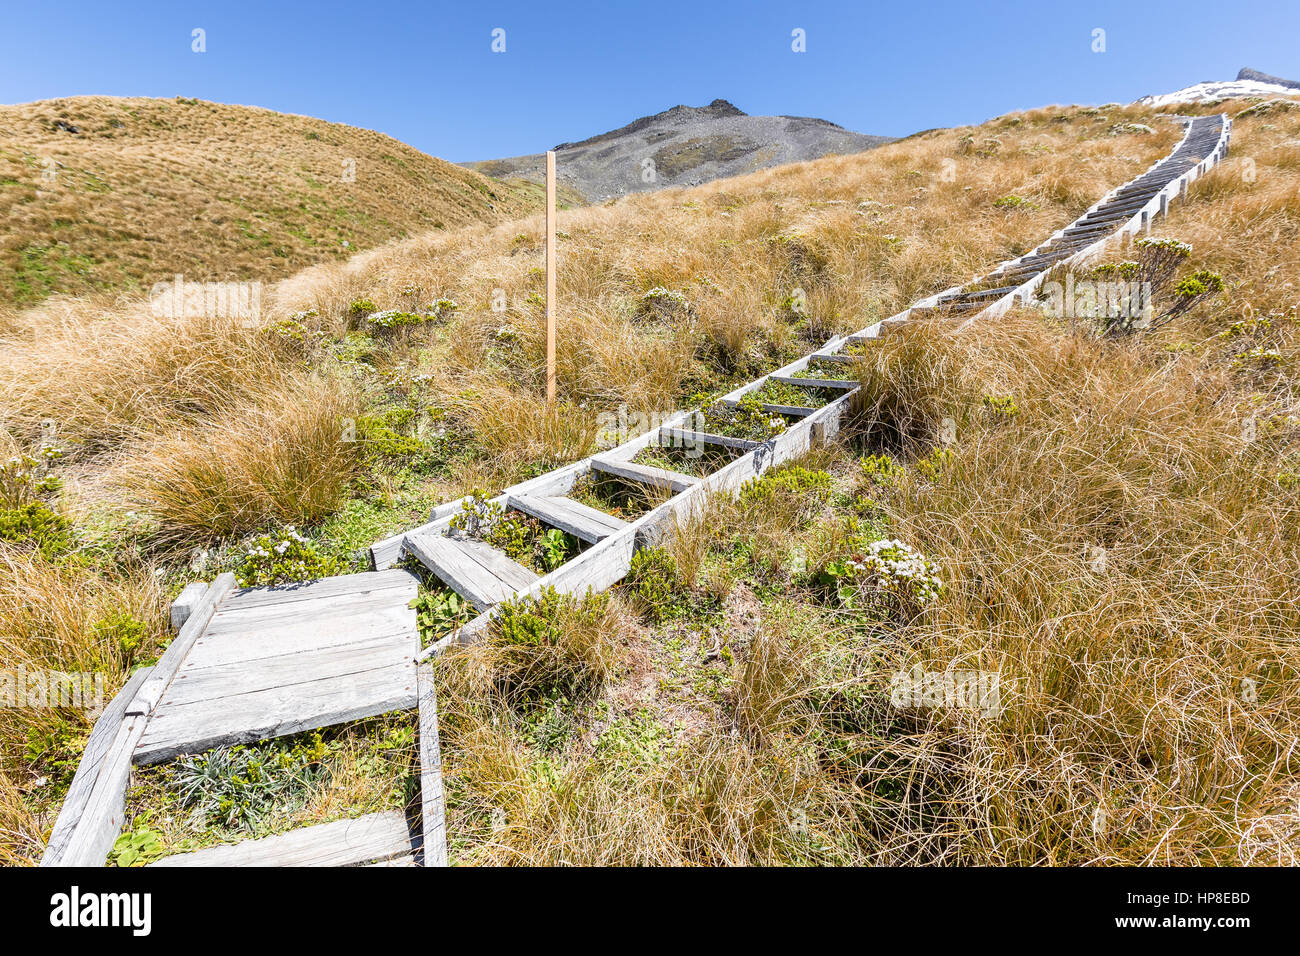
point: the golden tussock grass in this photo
(65, 619)
(287, 459)
(1124, 734)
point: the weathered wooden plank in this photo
(151, 690)
(238, 618)
(368, 582)
(645, 474)
(323, 632)
(376, 836)
(797, 411)
(572, 517)
(432, 808)
(465, 568)
(836, 383)
(260, 715)
(102, 736)
(685, 438)
(503, 568)
(186, 602)
(287, 671)
(105, 808)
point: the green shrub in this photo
(746, 420)
(1014, 202)
(35, 524)
(933, 464)
(126, 631)
(361, 308)
(1001, 406)
(881, 469)
(553, 646)
(653, 579)
(284, 557)
(810, 488)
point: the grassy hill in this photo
(1115, 520)
(113, 194)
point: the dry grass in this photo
(287, 459)
(66, 619)
(758, 729)
(860, 236)
(147, 188)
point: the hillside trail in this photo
(257, 663)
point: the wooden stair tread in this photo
(674, 481)
(477, 572)
(837, 383)
(374, 837)
(573, 517)
(685, 438)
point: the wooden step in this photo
(798, 411)
(685, 438)
(842, 384)
(374, 837)
(673, 481)
(477, 572)
(571, 517)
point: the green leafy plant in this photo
(439, 612)
(553, 548)
(889, 569)
(136, 848)
(240, 787)
(653, 580)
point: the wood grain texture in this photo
(102, 736)
(276, 661)
(478, 573)
(152, 690)
(645, 474)
(432, 802)
(571, 517)
(374, 837)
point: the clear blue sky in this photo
(424, 72)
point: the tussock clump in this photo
(1121, 559)
(286, 460)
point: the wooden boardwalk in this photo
(276, 661)
(253, 664)
(249, 665)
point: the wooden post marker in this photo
(550, 277)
